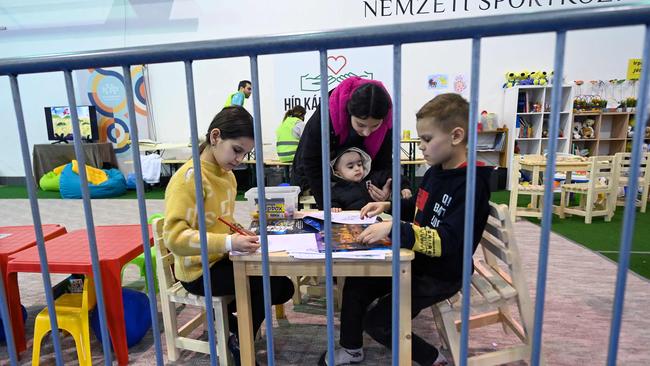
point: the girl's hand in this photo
(373, 209)
(375, 232)
(245, 243)
(406, 193)
(380, 194)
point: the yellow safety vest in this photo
(287, 144)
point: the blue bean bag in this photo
(70, 186)
(137, 317)
(3, 337)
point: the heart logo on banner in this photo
(336, 63)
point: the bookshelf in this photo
(527, 112)
(610, 133)
(492, 147)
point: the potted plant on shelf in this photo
(631, 104)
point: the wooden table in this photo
(20, 238)
(69, 253)
(537, 166)
(412, 147)
(283, 265)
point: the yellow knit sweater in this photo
(181, 231)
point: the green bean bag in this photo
(50, 182)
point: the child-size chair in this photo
(498, 286)
(139, 262)
(71, 316)
(601, 181)
(535, 190)
(622, 171)
(172, 293)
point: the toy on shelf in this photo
(526, 77)
(587, 130)
(577, 126)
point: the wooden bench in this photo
(498, 283)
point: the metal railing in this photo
(558, 22)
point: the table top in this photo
(21, 237)
(70, 252)
(282, 257)
(163, 146)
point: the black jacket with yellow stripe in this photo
(436, 231)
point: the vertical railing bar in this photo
(396, 204)
(142, 206)
(88, 213)
(38, 230)
(200, 210)
(261, 197)
(469, 198)
(327, 201)
(547, 212)
(630, 204)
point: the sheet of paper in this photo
(2, 236)
(357, 254)
(293, 242)
(289, 242)
(345, 217)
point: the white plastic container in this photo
(281, 202)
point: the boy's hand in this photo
(373, 209)
(245, 243)
(375, 232)
(406, 193)
(336, 209)
(380, 194)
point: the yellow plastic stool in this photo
(71, 316)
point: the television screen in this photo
(59, 123)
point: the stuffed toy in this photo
(647, 132)
(576, 130)
(524, 78)
(630, 132)
(588, 129)
(511, 80)
(540, 78)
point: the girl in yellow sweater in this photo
(229, 139)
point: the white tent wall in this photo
(41, 27)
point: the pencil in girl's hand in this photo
(233, 227)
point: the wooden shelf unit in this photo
(610, 131)
(492, 156)
(518, 110)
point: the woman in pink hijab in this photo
(360, 116)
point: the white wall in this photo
(41, 27)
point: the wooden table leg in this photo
(405, 314)
(244, 314)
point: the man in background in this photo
(244, 90)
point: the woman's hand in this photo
(375, 232)
(380, 194)
(406, 193)
(245, 243)
(373, 209)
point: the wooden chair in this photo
(601, 181)
(498, 285)
(534, 190)
(172, 293)
(622, 171)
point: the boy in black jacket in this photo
(435, 235)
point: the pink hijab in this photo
(341, 118)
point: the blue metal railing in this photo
(477, 28)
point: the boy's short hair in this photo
(448, 111)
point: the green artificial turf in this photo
(600, 236)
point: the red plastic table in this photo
(16, 238)
(69, 253)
